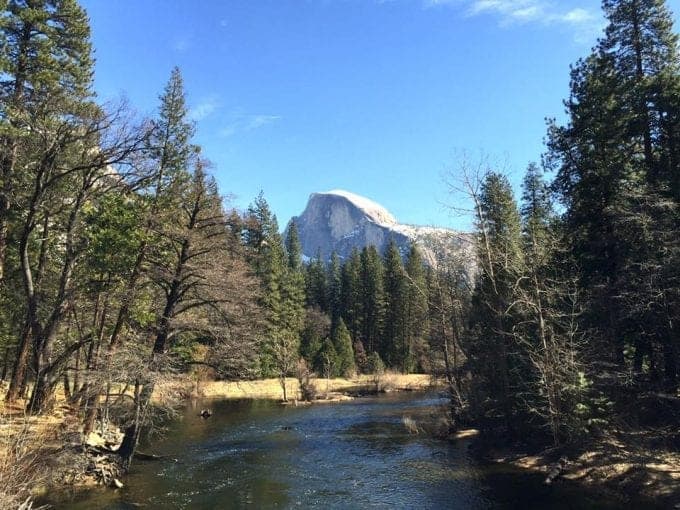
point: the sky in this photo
(378, 97)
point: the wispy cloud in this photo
(181, 43)
(257, 121)
(241, 122)
(584, 24)
(204, 108)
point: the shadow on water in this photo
(357, 454)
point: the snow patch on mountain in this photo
(372, 209)
(340, 221)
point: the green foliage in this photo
(391, 347)
(375, 364)
(415, 349)
(315, 284)
(327, 359)
(114, 235)
(372, 297)
(342, 341)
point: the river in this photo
(357, 454)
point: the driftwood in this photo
(149, 456)
(556, 471)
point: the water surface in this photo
(358, 454)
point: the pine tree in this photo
(267, 257)
(392, 344)
(46, 66)
(334, 280)
(371, 297)
(291, 317)
(350, 294)
(47, 70)
(538, 218)
(317, 328)
(293, 248)
(416, 313)
(342, 342)
(498, 363)
(327, 360)
(617, 160)
(315, 284)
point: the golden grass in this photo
(270, 389)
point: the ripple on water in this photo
(352, 455)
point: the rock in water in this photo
(340, 221)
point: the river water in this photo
(357, 454)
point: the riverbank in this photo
(628, 466)
(270, 389)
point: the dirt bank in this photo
(626, 465)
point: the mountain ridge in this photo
(340, 220)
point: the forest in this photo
(123, 267)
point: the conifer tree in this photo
(290, 320)
(497, 362)
(47, 70)
(617, 161)
(391, 348)
(372, 297)
(342, 342)
(334, 279)
(416, 312)
(350, 294)
(315, 284)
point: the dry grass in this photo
(24, 443)
(271, 388)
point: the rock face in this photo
(340, 221)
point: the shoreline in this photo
(613, 465)
(60, 457)
(624, 465)
(270, 389)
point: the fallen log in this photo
(556, 471)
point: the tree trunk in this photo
(18, 382)
(67, 386)
(131, 436)
(5, 364)
(91, 406)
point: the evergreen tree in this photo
(334, 288)
(47, 67)
(315, 284)
(372, 297)
(317, 328)
(290, 319)
(498, 363)
(392, 344)
(350, 294)
(268, 259)
(617, 160)
(416, 313)
(327, 360)
(293, 248)
(342, 342)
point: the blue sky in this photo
(378, 97)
